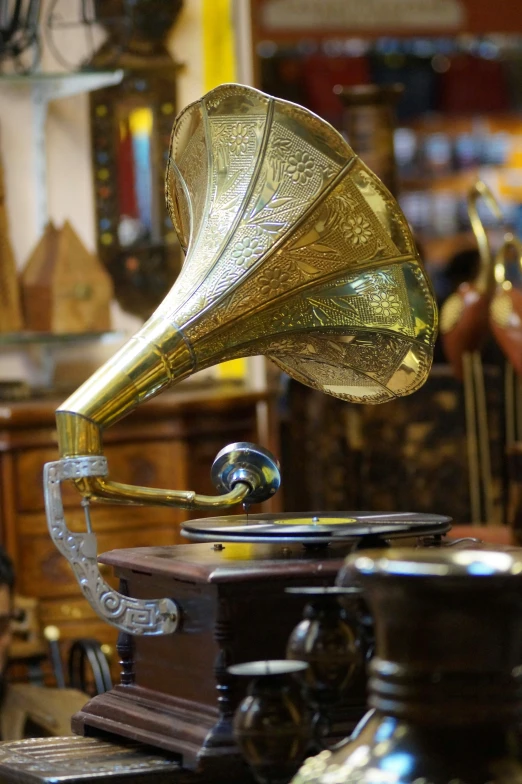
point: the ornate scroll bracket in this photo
(133, 616)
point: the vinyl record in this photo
(314, 527)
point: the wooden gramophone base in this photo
(165, 722)
(148, 716)
(175, 691)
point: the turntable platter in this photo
(314, 528)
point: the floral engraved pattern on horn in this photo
(298, 243)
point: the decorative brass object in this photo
(505, 315)
(464, 323)
(464, 315)
(294, 250)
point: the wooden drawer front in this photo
(44, 572)
(57, 612)
(94, 628)
(107, 518)
(152, 463)
(90, 627)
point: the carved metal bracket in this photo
(134, 616)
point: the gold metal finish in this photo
(451, 313)
(295, 250)
(485, 281)
(464, 324)
(501, 308)
(119, 493)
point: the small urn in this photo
(272, 724)
(329, 640)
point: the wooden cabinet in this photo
(169, 442)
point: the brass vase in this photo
(446, 682)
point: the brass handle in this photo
(99, 489)
(480, 190)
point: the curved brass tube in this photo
(115, 492)
(155, 358)
(485, 279)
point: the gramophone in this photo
(294, 250)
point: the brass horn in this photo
(295, 250)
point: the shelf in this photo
(35, 356)
(52, 86)
(41, 89)
(50, 339)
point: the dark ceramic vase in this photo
(446, 682)
(272, 724)
(329, 640)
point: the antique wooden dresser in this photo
(169, 442)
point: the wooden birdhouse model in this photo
(10, 309)
(65, 288)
